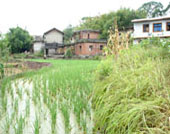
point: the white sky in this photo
(38, 16)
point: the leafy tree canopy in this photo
(19, 40)
(154, 9)
(105, 21)
(68, 32)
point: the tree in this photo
(105, 21)
(154, 9)
(19, 40)
(68, 33)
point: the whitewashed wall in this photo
(38, 46)
(53, 37)
(138, 29)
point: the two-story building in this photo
(87, 43)
(151, 27)
(53, 39)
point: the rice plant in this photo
(19, 125)
(66, 86)
(37, 125)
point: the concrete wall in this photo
(38, 46)
(84, 49)
(138, 30)
(53, 36)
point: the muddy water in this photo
(22, 113)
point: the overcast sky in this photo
(38, 16)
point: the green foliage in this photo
(4, 49)
(105, 21)
(1, 70)
(156, 41)
(19, 40)
(4, 54)
(68, 53)
(154, 9)
(131, 94)
(68, 33)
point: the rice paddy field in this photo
(54, 99)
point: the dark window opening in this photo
(101, 47)
(80, 48)
(157, 27)
(168, 26)
(90, 48)
(46, 51)
(88, 36)
(146, 28)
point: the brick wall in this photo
(89, 35)
(89, 49)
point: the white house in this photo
(52, 39)
(49, 41)
(151, 27)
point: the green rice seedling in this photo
(27, 109)
(19, 92)
(7, 125)
(19, 125)
(53, 113)
(16, 106)
(65, 111)
(4, 103)
(36, 125)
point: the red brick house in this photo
(87, 43)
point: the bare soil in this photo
(20, 67)
(36, 65)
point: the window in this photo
(157, 27)
(88, 36)
(101, 47)
(90, 48)
(80, 48)
(168, 26)
(145, 27)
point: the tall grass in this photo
(132, 94)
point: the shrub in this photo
(68, 53)
(133, 94)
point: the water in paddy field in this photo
(28, 112)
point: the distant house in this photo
(53, 38)
(151, 27)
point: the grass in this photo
(64, 86)
(132, 94)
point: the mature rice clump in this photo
(132, 94)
